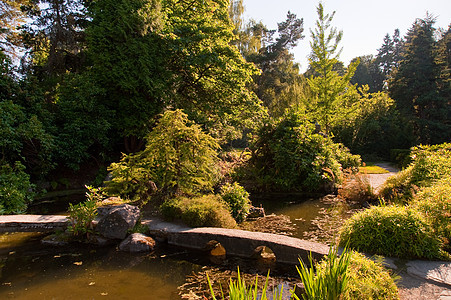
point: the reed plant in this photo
(331, 279)
(238, 290)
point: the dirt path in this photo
(377, 180)
(411, 286)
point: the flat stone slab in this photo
(437, 271)
(32, 223)
(245, 243)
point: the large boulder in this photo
(137, 242)
(118, 221)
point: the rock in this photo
(98, 240)
(56, 239)
(255, 212)
(137, 242)
(107, 204)
(118, 220)
(299, 290)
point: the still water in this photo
(29, 270)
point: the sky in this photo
(364, 23)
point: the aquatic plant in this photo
(81, 216)
(330, 280)
(239, 291)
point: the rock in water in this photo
(137, 242)
(255, 212)
(118, 220)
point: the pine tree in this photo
(415, 84)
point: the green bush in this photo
(16, 191)
(179, 158)
(435, 204)
(204, 211)
(290, 156)
(349, 276)
(369, 280)
(237, 200)
(392, 231)
(429, 163)
(81, 216)
(401, 157)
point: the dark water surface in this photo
(29, 270)
(301, 211)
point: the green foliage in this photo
(237, 200)
(133, 84)
(328, 87)
(401, 157)
(331, 278)
(179, 158)
(81, 216)
(429, 163)
(84, 124)
(94, 194)
(368, 279)
(434, 203)
(420, 86)
(204, 211)
(239, 291)
(16, 192)
(391, 231)
(368, 73)
(289, 155)
(372, 125)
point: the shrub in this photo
(290, 156)
(237, 200)
(179, 158)
(391, 231)
(16, 191)
(369, 280)
(435, 204)
(429, 163)
(81, 216)
(201, 211)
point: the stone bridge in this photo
(236, 242)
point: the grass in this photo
(372, 169)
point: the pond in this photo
(29, 270)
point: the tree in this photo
(12, 16)
(389, 55)
(328, 86)
(56, 36)
(210, 75)
(416, 85)
(368, 73)
(279, 85)
(127, 50)
(179, 158)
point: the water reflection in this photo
(86, 272)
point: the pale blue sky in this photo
(364, 23)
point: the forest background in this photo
(95, 75)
